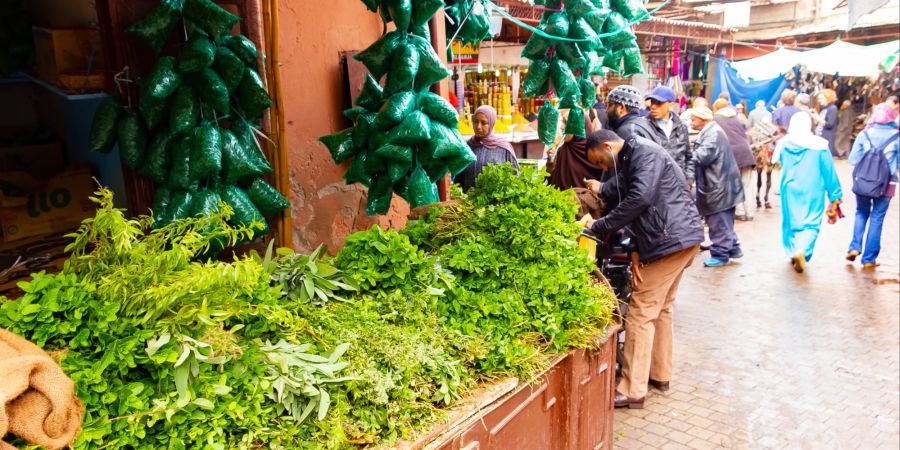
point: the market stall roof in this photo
(768, 66)
(839, 57)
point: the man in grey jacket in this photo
(669, 131)
(719, 188)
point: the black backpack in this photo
(871, 174)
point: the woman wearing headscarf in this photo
(807, 176)
(881, 134)
(842, 138)
(487, 146)
(828, 113)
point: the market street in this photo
(767, 358)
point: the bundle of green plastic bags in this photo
(404, 137)
(598, 39)
(193, 131)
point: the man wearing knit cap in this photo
(668, 130)
(719, 187)
(622, 106)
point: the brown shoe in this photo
(622, 401)
(661, 386)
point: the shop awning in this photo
(839, 57)
(768, 66)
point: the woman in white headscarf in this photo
(807, 176)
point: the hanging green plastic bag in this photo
(229, 67)
(594, 64)
(421, 30)
(631, 58)
(180, 173)
(431, 69)
(446, 142)
(575, 122)
(180, 204)
(155, 28)
(153, 112)
(596, 18)
(266, 198)
(340, 145)
(362, 130)
(395, 152)
(569, 101)
(161, 208)
(397, 169)
(631, 9)
(572, 54)
(243, 48)
(185, 110)
(158, 161)
(252, 95)
(163, 80)
(395, 109)
(602, 4)
(588, 93)
(206, 153)
(377, 57)
(420, 190)
(579, 8)
(131, 134)
(243, 131)
(371, 5)
(536, 47)
(557, 25)
(245, 212)
(212, 18)
(379, 196)
(617, 26)
(197, 54)
(404, 67)
(548, 119)
(401, 12)
(356, 173)
(580, 29)
(437, 108)
(413, 130)
(371, 97)
(205, 203)
(613, 61)
(459, 163)
(103, 129)
(537, 80)
(238, 168)
(423, 10)
(213, 92)
(563, 80)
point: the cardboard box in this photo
(66, 50)
(59, 206)
(44, 160)
(63, 13)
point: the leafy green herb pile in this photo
(293, 351)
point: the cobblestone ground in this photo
(767, 358)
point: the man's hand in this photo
(593, 185)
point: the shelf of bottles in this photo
(497, 88)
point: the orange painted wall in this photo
(312, 36)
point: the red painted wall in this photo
(312, 36)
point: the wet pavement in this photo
(768, 358)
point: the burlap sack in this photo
(37, 400)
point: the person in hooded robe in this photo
(807, 177)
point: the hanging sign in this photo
(465, 54)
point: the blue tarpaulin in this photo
(727, 80)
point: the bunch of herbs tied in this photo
(170, 352)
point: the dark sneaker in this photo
(736, 254)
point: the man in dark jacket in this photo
(658, 207)
(669, 131)
(719, 187)
(726, 117)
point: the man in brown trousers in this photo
(657, 206)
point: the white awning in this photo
(839, 57)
